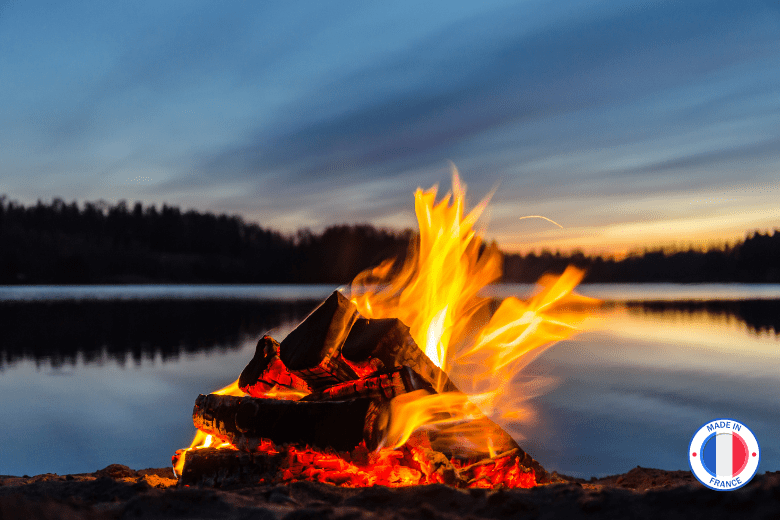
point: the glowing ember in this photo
(436, 293)
(406, 466)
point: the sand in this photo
(118, 492)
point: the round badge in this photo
(724, 454)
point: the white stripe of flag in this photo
(724, 446)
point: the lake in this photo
(91, 376)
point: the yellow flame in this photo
(435, 293)
(285, 393)
(410, 411)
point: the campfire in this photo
(394, 380)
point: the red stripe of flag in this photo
(739, 454)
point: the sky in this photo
(631, 124)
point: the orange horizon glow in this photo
(620, 240)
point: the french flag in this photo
(724, 454)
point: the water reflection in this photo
(643, 377)
(632, 388)
(60, 332)
(760, 316)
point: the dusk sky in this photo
(630, 123)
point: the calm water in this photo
(91, 376)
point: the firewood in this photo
(335, 344)
(227, 467)
(325, 354)
(245, 421)
(377, 386)
(312, 350)
(382, 345)
(266, 371)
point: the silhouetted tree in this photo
(104, 243)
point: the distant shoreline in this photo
(607, 292)
(99, 244)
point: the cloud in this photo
(464, 82)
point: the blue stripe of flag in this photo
(709, 453)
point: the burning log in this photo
(454, 440)
(387, 344)
(276, 464)
(245, 422)
(313, 349)
(330, 347)
(378, 386)
(217, 467)
(267, 373)
(359, 467)
(334, 343)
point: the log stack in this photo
(328, 385)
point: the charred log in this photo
(226, 467)
(245, 421)
(378, 386)
(334, 344)
(385, 344)
(266, 372)
(313, 349)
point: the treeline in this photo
(61, 243)
(756, 259)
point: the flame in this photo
(282, 392)
(436, 293)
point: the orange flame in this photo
(436, 293)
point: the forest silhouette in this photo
(101, 243)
